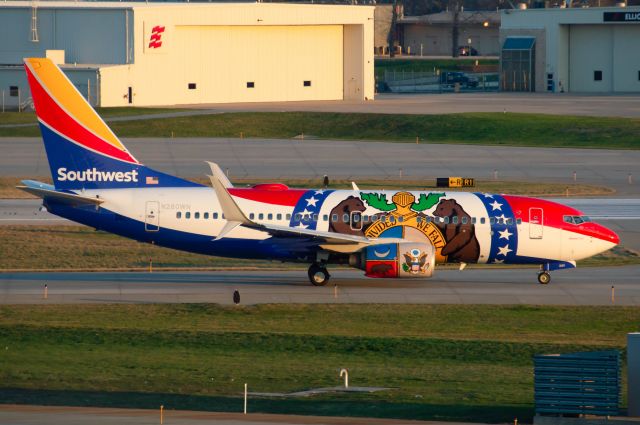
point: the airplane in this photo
(387, 234)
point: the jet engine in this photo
(396, 260)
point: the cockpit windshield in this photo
(576, 219)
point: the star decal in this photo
(496, 206)
(301, 226)
(306, 213)
(319, 192)
(504, 250)
(501, 219)
(505, 234)
(488, 195)
(312, 201)
(496, 261)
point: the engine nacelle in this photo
(393, 260)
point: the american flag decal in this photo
(155, 41)
(152, 180)
(308, 208)
(504, 235)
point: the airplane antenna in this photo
(325, 181)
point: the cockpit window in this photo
(576, 219)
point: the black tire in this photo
(318, 275)
(544, 278)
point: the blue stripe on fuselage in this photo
(103, 219)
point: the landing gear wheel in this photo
(318, 275)
(544, 278)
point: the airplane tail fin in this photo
(82, 150)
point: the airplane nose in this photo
(605, 234)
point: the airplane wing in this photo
(49, 192)
(327, 240)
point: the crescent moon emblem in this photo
(382, 254)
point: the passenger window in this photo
(325, 217)
(187, 215)
(279, 217)
(270, 217)
(178, 214)
(482, 220)
(315, 217)
(519, 221)
(392, 219)
(492, 221)
(473, 220)
(252, 216)
(196, 215)
(299, 217)
(260, 216)
(446, 220)
(429, 220)
(454, 219)
(400, 219)
(223, 216)
(206, 215)
(288, 217)
(334, 217)
(509, 221)
(215, 215)
(345, 218)
(464, 220)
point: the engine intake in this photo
(393, 260)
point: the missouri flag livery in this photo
(387, 234)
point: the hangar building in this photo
(582, 50)
(145, 54)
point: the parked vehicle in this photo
(450, 78)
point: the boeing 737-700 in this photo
(388, 234)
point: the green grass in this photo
(470, 128)
(464, 363)
(12, 117)
(75, 248)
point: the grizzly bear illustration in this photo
(461, 242)
(349, 205)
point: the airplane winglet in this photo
(217, 171)
(232, 212)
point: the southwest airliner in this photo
(388, 234)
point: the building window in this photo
(14, 91)
(192, 86)
(597, 75)
(307, 83)
(250, 84)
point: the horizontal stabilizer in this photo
(48, 192)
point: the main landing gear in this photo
(544, 278)
(318, 274)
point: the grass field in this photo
(430, 65)
(469, 128)
(30, 117)
(8, 186)
(464, 363)
(82, 248)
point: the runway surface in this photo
(586, 286)
(290, 158)
(54, 415)
(448, 103)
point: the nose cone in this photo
(603, 233)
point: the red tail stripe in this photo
(52, 114)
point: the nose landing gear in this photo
(318, 274)
(544, 278)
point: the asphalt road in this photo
(54, 415)
(389, 103)
(267, 158)
(582, 286)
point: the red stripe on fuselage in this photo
(288, 198)
(553, 216)
(54, 116)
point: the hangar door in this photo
(261, 63)
(601, 58)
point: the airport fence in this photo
(437, 82)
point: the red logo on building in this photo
(156, 37)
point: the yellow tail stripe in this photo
(66, 95)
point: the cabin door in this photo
(152, 216)
(536, 219)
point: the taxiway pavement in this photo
(292, 158)
(582, 286)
